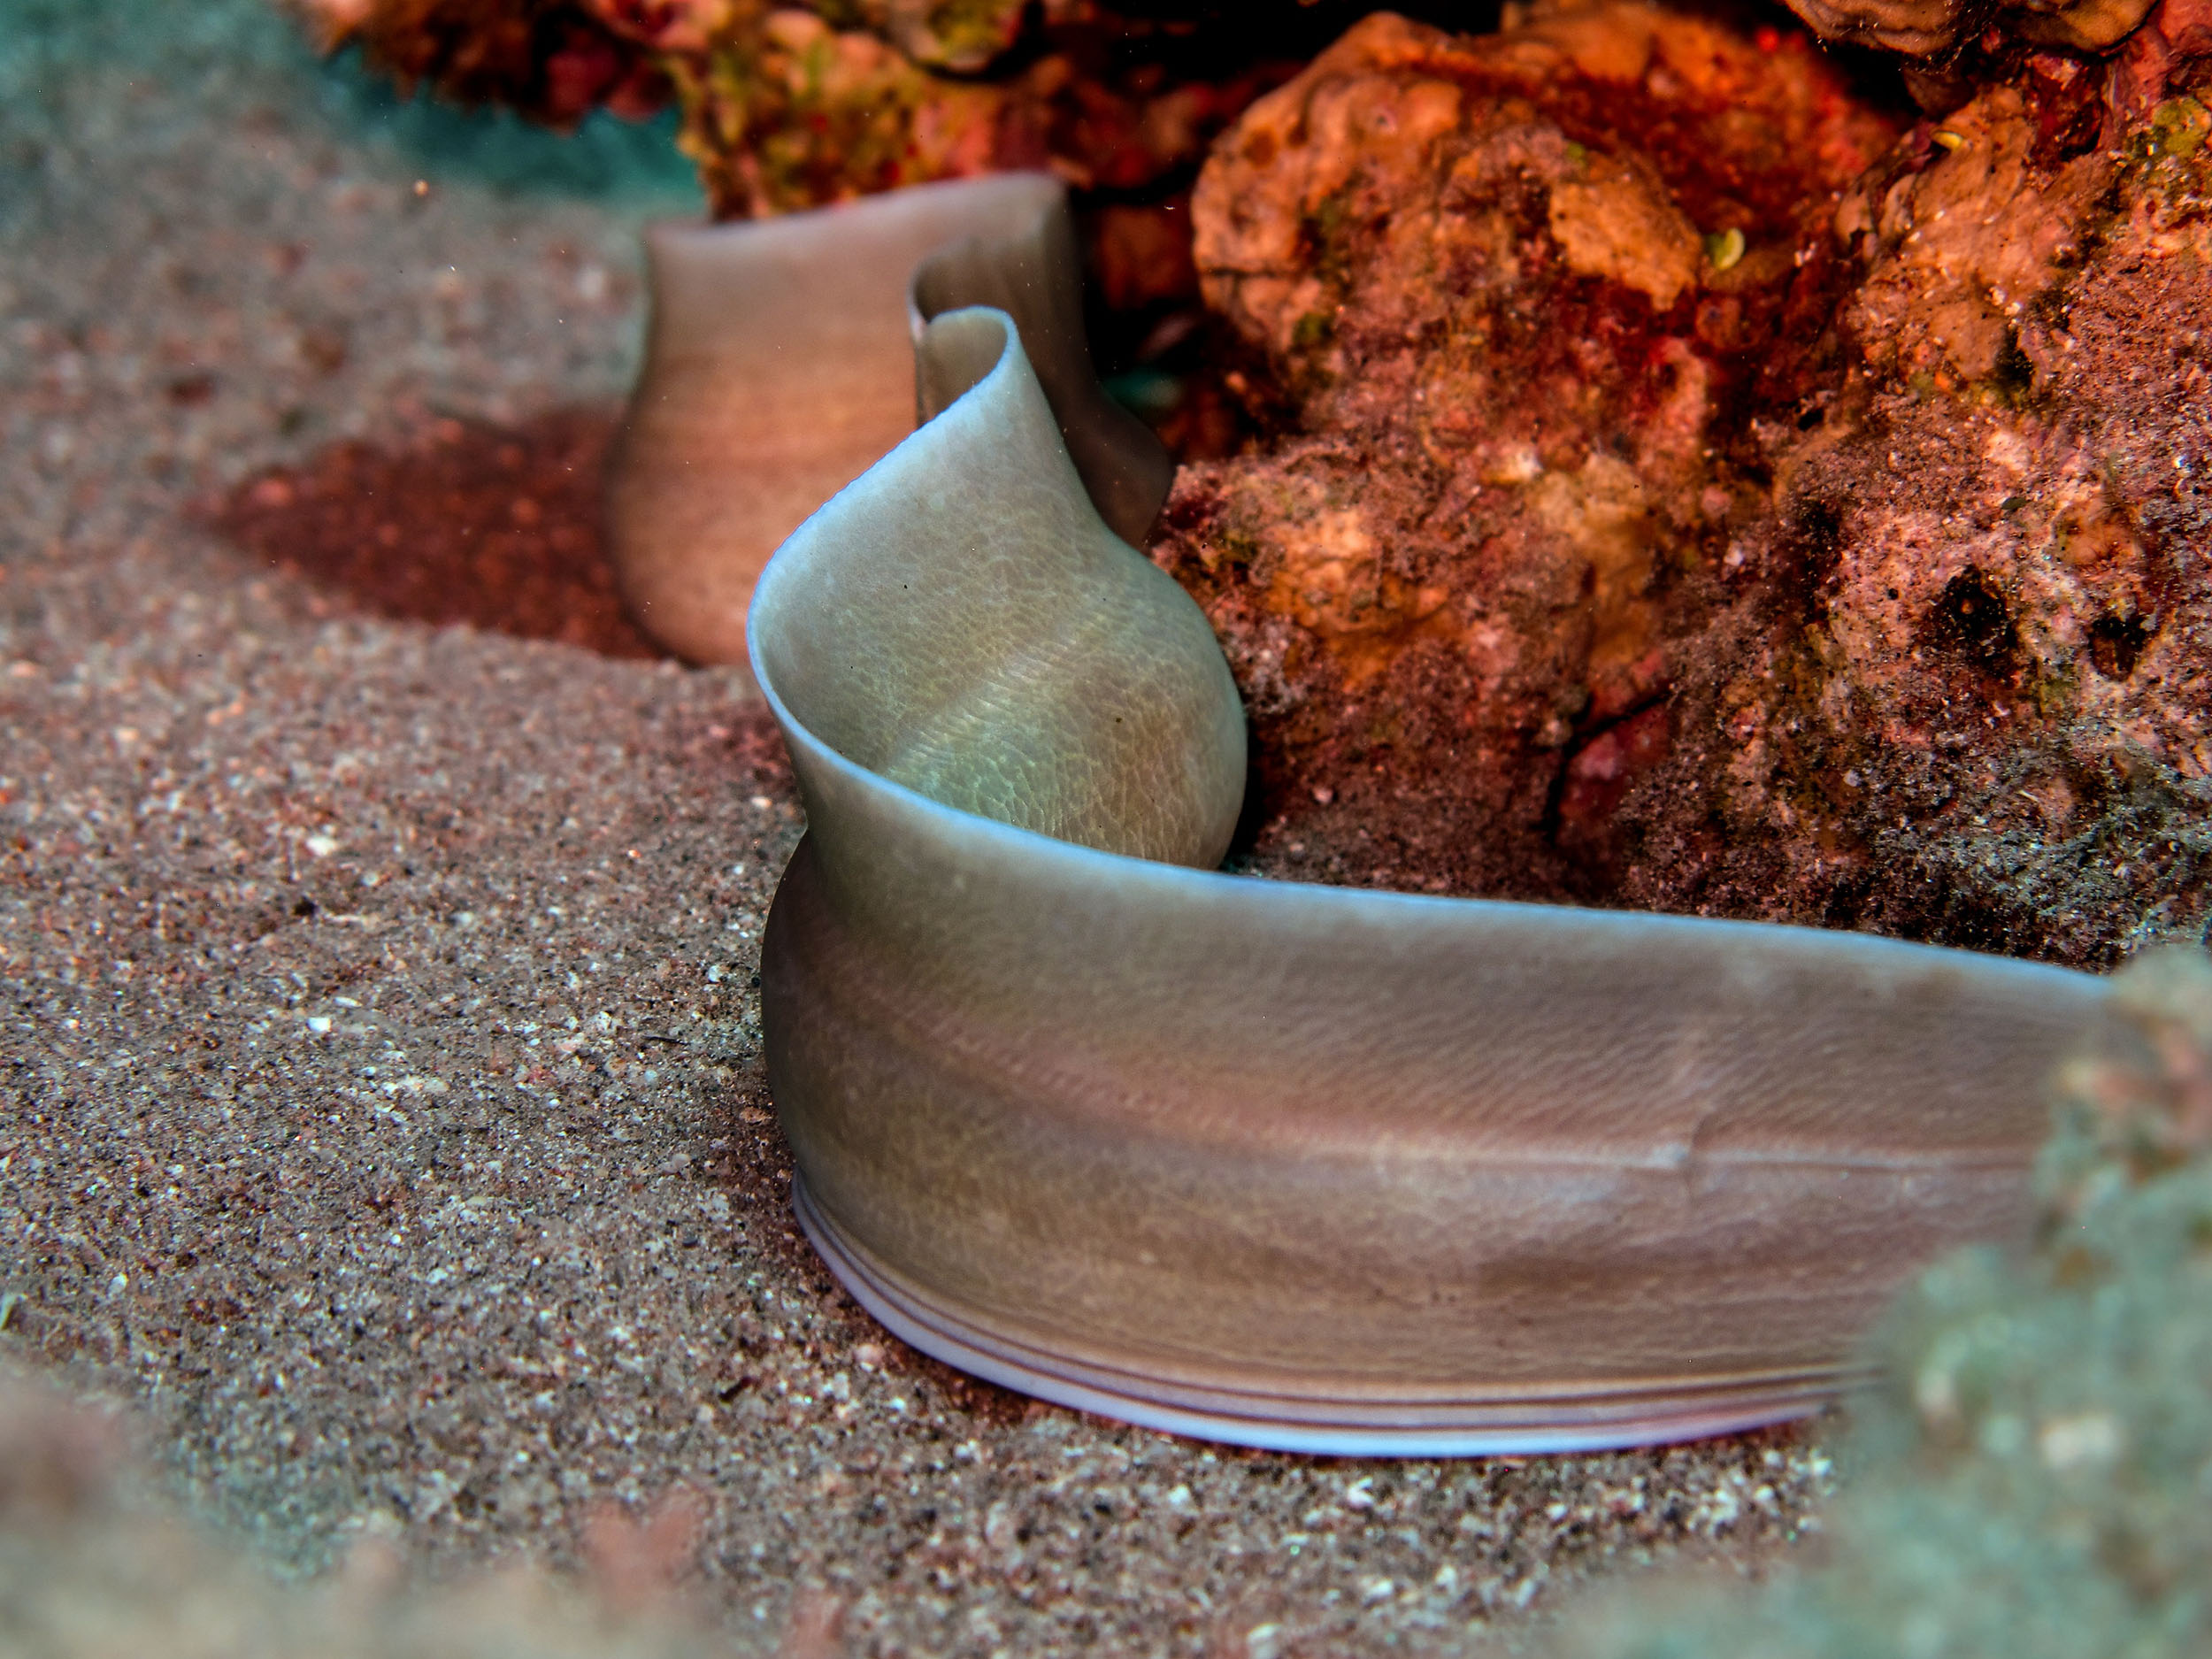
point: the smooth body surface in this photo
(781, 365)
(1288, 1165)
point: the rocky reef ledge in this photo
(1687, 481)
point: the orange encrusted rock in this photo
(1691, 484)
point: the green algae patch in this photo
(2178, 127)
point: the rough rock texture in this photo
(783, 109)
(550, 59)
(1503, 340)
(796, 106)
(1933, 28)
(1700, 490)
(2028, 1477)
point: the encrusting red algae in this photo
(1695, 488)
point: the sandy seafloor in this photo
(384, 1125)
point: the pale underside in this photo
(1292, 1166)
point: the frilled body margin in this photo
(1295, 1166)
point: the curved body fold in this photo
(1287, 1165)
(779, 366)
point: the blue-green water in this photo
(52, 52)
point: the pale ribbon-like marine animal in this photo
(1286, 1165)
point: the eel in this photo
(1313, 1169)
(779, 364)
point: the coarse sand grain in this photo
(385, 1128)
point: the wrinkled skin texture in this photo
(1847, 584)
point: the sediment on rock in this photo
(1697, 487)
(789, 107)
(1676, 472)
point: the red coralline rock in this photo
(1996, 706)
(555, 60)
(1528, 293)
(1933, 28)
(1703, 490)
(791, 106)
